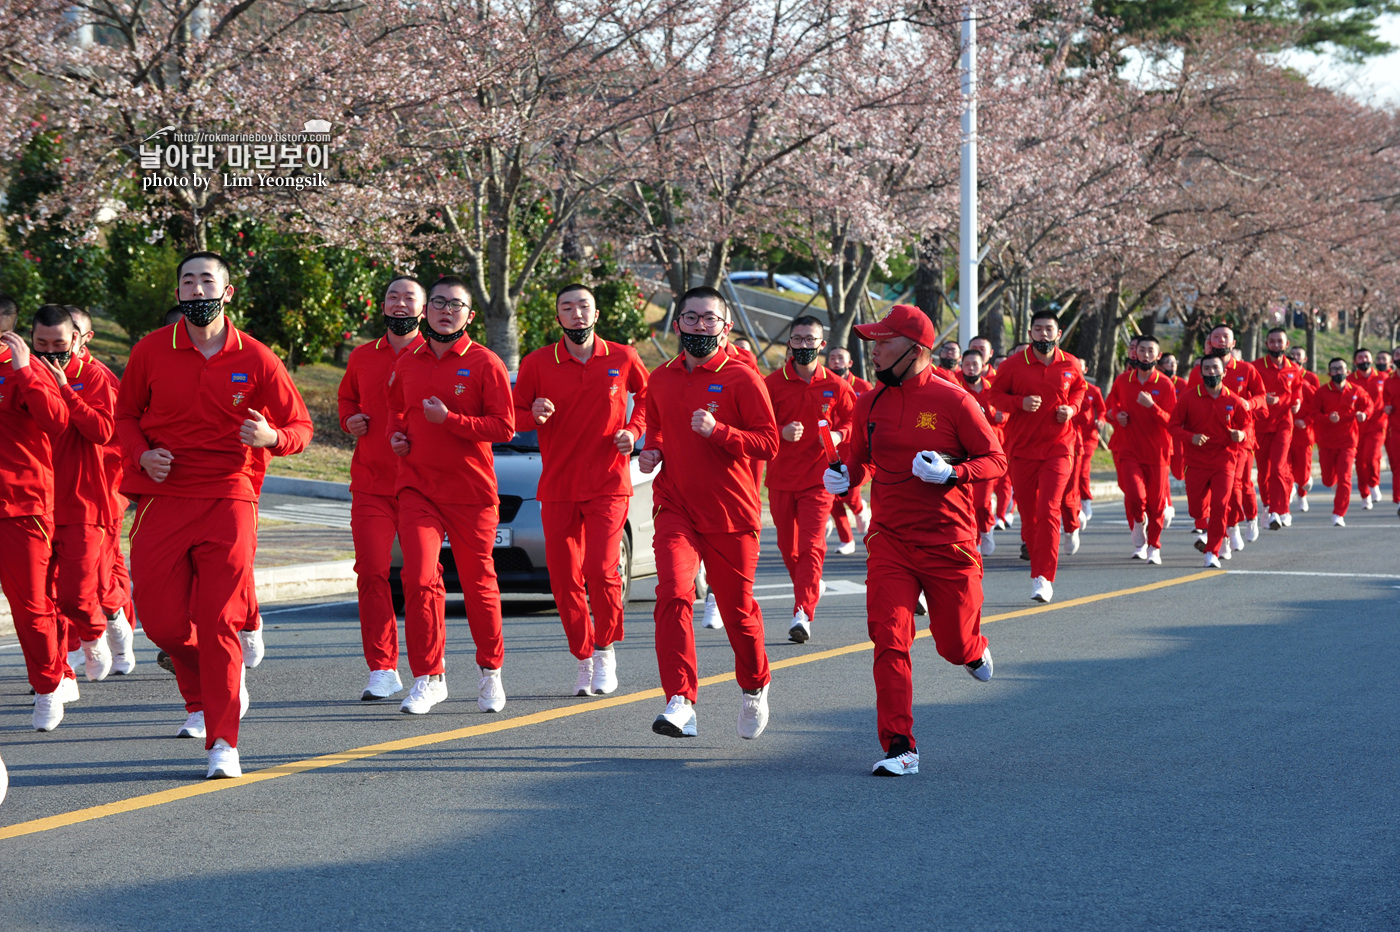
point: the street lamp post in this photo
(967, 175)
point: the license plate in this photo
(503, 537)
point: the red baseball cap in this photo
(903, 320)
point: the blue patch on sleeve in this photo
(716, 387)
(239, 377)
(614, 372)
(828, 394)
(464, 372)
(77, 386)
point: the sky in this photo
(1376, 82)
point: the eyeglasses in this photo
(804, 342)
(441, 303)
(708, 321)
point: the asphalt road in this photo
(1219, 753)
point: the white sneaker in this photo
(1168, 515)
(193, 727)
(999, 525)
(242, 692)
(1253, 529)
(981, 668)
(1154, 556)
(677, 720)
(1086, 509)
(490, 691)
(604, 671)
(1303, 503)
(68, 690)
(921, 607)
(75, 659)
(1009, 518)
(48, 711)
(1236, 538)
(97, 658)
(1307, 486)
(1226, 551)
(1275, 521)
(120, 639)
(1367, 503)
(4, 780)
(821, 587)
(1139, 532)
(988, 546)
(382, 684)
(1339, 521)
(583, 686)
(426, 692)
(1212, 560)
(1041, 589)
(830, 528)
(712, 619)
(801, 630)
(753, 712)
(1141, 552)
(223, 762)
(905, 765)
(848, 548)
(863, 520)
(1074, 541)
(1286, 518)
(1292, 494)
(253, 647)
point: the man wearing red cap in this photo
(803, 392)
(1273, 425)
(838, 363)
(708, 417)
(1140, 403)
(1045, 389)
(926, 443)
(1337, 411)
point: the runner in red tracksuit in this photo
(374, 469)
(575, 393)
(1371, 439)
(1244, 380)
(1273, 424)
(1337, 412)
(978, 385)
(803, 392)
(449, 400)
(1300, 448)
(1045, 389)
(32, 417)
(198, 402)
(1210, 421)
(1167, 366)
(926, 444)
(1140, 403)
(1390, 398)
(708, 418)
(838, 362)
(947, 362)
(82, 509)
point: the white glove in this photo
(837, 483)
(931, 467)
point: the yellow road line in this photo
(162, 797)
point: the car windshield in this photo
(523, 442)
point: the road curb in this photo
(307, 488)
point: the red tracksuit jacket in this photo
(1283, 378)
(711, 479)
(799, 464)
(32, 417)
(1196, 412)
(1374, 385)
(1144, 439)
(1036, 435)
(451, 462)
(925, 412)
(1390, 395)
(1346, 401)
(581, 462)
(1087, 420)
(374, 469)
(172, 397)
(80, 454)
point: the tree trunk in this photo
(1310, 333)
(928, 278)
(503, 329)
(996, 320)
(1102, 373)
(1249, 340)
(719, 262)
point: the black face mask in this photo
(401, 326)
(972, 379)
(1044, 347)
(1382, 365)
(1276, 353)
(201, 311)
(447, 337)
(1364, 366)
(803, 356)
(699, 345)
(1338, 379)
(1220, 352)
(1169, 373)
(60, 358)
(887, 376)
(1211, 381)
(580, 336)
(839, 373)
(946, 363)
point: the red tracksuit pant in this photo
(1244, 506)
(1040, 495)
(472, 529)
(1368, 462)
(1001, 491)
(950, 576)
(730, 562)
(1275, 477)
(840, 505)
(1144, 488)
(1336, 472)
(1208, 494)
(1300, 455)
(982, 505)
(192, 566)
(1392, 451)
(1083, 473)
(582, 548)
(800, 520)
(114, 590)
(74, 577)
(26, 544)
(374, 522)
